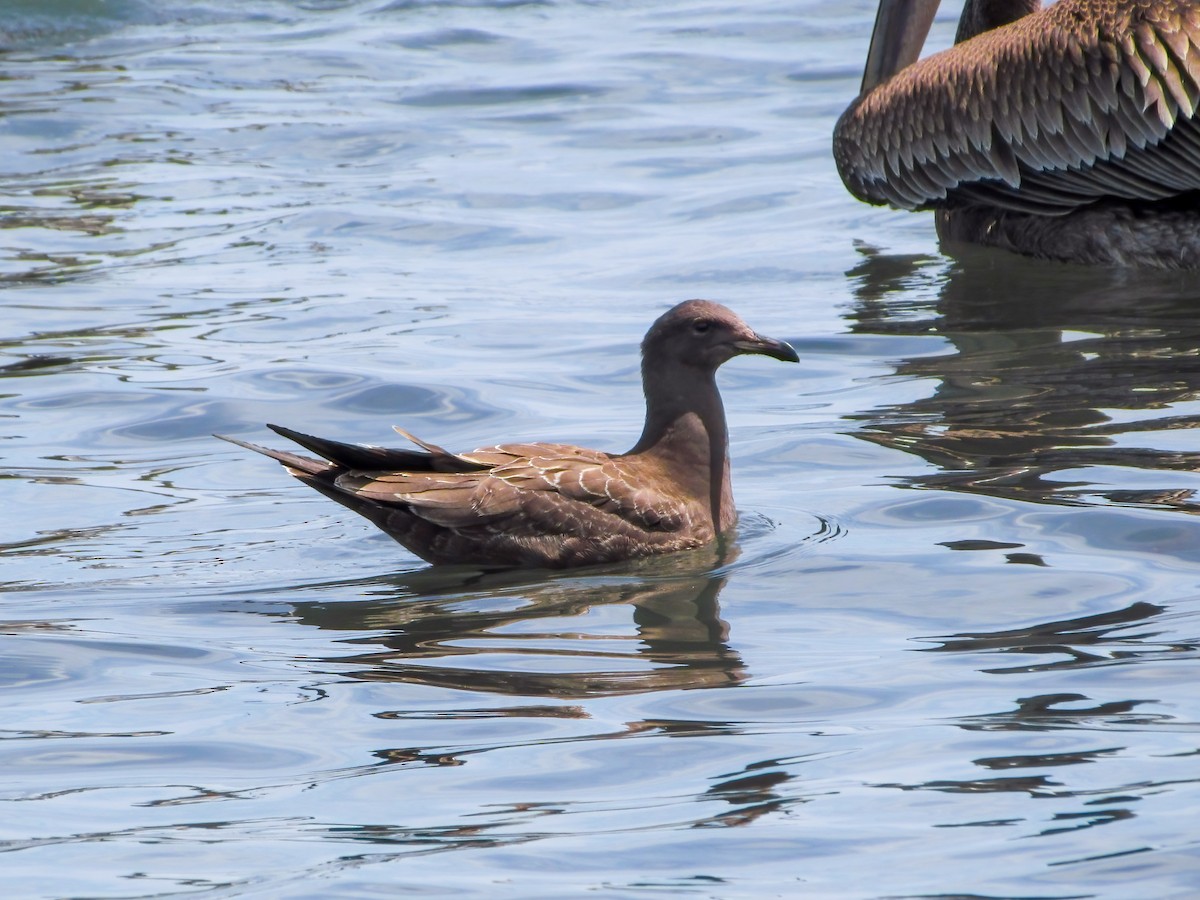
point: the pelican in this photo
(1066, 133)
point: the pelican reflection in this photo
(1048, 372)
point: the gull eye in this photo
(701, 326)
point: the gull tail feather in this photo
(361, 458)
(299, 465)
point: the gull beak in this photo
(765, 346)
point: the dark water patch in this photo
(499, 96)
(596, 201)
(393, 398)
(751, 204)
(103, 755)
(449, 37)
(442, 236)
(410, 6)
(758, 274)
(671, 137)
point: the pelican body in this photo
(1066, 133)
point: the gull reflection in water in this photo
(633, 628)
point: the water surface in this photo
(951, 652)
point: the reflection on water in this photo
(510, 633)
(1099, 639)
(1106, 728)
(1050, 371)
(1047, 712)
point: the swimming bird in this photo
(1067, 133)
(556, 505)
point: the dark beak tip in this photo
(761, 346)
(765, 346)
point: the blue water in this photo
(952, 651)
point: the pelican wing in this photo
(1081, 101)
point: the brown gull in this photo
(556, 505)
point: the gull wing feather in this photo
(530, 489)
